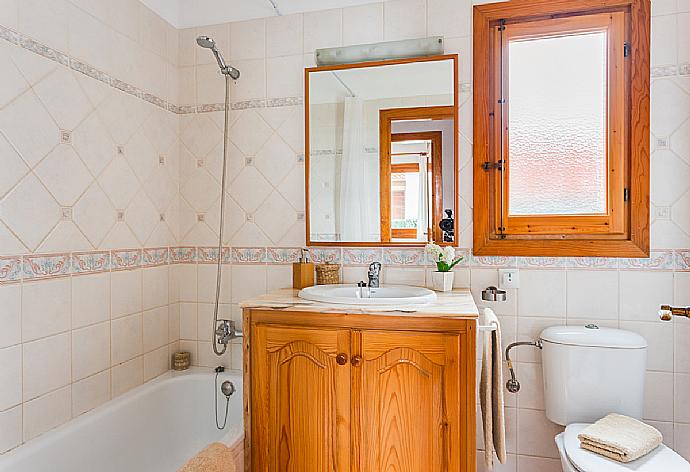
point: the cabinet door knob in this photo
(356, 360)
(341, 359)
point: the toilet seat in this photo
(662, 458)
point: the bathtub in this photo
(156, 427)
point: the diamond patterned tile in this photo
(141, 156)
(94, 214)
(141, 216)
(65, 237)
(292, 187)
(93, 143)
(275, 159)
(292, 130)
(32, 66)
(64, 98)
(12, 83)
(9, 243)
(119, 182)
(119, 236)
(680, 212)
(201, 190)
(235, 217)
(214, 161)
(199, 134)
(670, 107)
(161, 189)
(275, 216)
(160, 130)
(250, 235)
(13, 167)
(276, 116)
(28, 126)
(670, 178)
(250, 132)
(122, 115)
(30, 211)
(680, 141)
(63, 173)
(250, 189)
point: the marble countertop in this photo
(457, 304)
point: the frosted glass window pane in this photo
(557, 125)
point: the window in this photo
(561, 136)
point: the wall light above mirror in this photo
(381, 152)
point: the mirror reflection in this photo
(381, 161)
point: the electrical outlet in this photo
(509, 278)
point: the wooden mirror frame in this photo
(456, 128)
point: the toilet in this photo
(590, 372)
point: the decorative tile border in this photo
(156, 256)
(10, 269)
(90, 262)
(404, 257)
(361, 256)
(28, 43)
(46, 266)
(126, 259)
(43, 266)
(248, 255)
(281, 255)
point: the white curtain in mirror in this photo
(423, 207)
(357, 209)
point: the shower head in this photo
(208, 43)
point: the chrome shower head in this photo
(228, 388)
(208, 43)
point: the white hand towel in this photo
(620, 438)
(491, 393)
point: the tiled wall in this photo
(149, 153)
(88, 164)
(267, 192)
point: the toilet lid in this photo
(660, 459)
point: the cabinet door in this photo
(300, 399)
(406, 400)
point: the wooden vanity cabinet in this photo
(364, 393)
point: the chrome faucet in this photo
(226, 332)
(373, 274)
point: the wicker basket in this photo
(327, 274)
(181, 360)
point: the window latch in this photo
(487, 166)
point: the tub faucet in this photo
(373, 274)
(226, 331)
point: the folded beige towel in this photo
(620, 438)
(491, 393)
(216, 457)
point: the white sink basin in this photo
(384, 295)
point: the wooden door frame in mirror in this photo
(359, 65)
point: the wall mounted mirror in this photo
(381, 152)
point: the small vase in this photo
(442, 281)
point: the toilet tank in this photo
(590, 372)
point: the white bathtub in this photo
(156, 427)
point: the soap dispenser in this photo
(303, 271)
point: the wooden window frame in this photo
(624, 230)
(386, 118)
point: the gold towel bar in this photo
(667, 312)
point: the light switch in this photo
(509, 278)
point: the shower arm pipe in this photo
(219, 272)
(513, 385)
(275, 7)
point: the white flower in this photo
(448, 254)
(434, 250)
